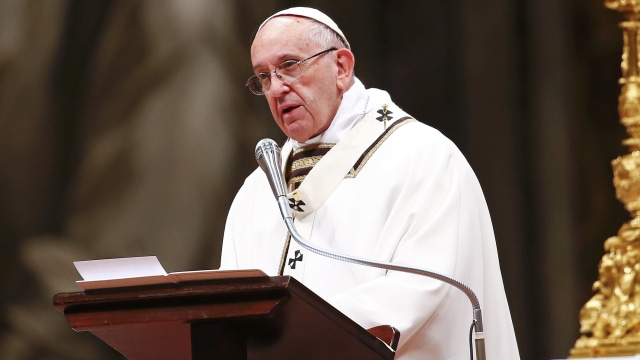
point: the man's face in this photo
(306, 107)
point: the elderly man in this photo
(368, 180)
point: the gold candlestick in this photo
(610, 320)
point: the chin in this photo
(299, 139)
(297, 136)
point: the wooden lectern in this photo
(244, 318)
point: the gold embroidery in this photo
(285, 250)
(296, 179)
(313, 146)
(369, 153)
(305, 162)
(384, 115)
(302, 161)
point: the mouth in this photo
(289, 109)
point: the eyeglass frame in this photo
(269, 74)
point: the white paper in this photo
(144, 270)
(119, 268)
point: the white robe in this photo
(416, 202)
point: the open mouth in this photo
(289, 109)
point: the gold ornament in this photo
(610, 320)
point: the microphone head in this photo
(266, 146)
(269, 159)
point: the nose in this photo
(277, 86)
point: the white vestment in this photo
(415, 202)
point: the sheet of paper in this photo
(144, 270)
(119, 268)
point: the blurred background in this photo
(125, 130)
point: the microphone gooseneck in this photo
(269, 158)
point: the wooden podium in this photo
(250, 318)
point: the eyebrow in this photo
(282, 58)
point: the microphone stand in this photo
(268, 157)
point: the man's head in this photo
(303, 91)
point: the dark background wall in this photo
(125, 130)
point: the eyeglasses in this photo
(287, 72)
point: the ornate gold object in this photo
(610, 320)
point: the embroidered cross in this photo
(384, 115)
(297, 257)
(296, 204)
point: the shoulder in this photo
(256, 180)
(419, 137)
(423, 149)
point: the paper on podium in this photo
(144, 270)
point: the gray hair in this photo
(324, 35)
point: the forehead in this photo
(280, 38)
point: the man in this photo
(366, 180)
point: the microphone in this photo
(269, 158)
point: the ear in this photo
(345, 62)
